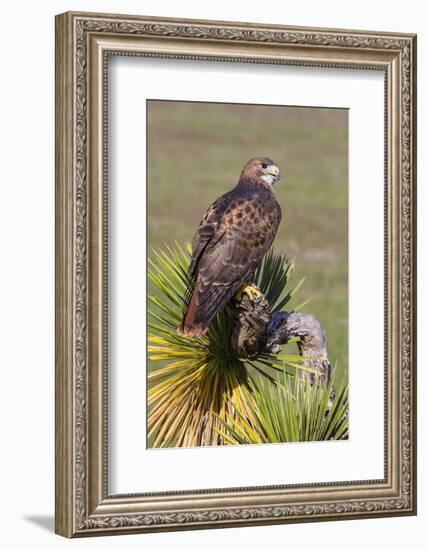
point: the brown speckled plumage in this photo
(231, 240)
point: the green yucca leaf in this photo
(301, 306)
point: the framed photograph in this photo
(235, 274)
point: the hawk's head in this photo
(261, 168)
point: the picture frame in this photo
(84, 42)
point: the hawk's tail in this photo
(191, 326)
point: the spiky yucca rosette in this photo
(290, 410)
(199, 391)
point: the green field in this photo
(195, 154)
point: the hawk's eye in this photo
(264, 165)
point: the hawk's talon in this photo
(252, 292)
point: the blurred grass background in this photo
(195, 154)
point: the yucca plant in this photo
(200, 384)
(291, 410)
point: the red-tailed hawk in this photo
(232, 238)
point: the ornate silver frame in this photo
(83, 42)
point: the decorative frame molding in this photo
(83, 43)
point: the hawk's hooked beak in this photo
(275, 172)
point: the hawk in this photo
(230, 242)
